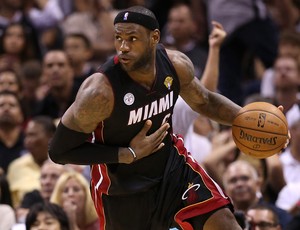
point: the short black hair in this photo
(47, 123)
(81, 36)
(54, 210)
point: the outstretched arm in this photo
(93, 104)
(210, 76)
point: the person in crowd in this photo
(62, 90)
(10, 81)
(286, 83)
(7, 213)
(50, 172)
(15, 46)
(289, 198)
(241, 19)
(243, 185)
(94, 19)
(180, 34)
(79, 50)
(33, 88)
(290, 158)
(263, 216)
(183, 116)
(13, 12)
(72, 193)
(24, 172)
(47, 215)
(289, 45)
(11, 129)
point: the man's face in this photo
(76, 50)
(134, 46)
(180, 23)
(57, 69)
(241, 185)
(262, 219)
(9, 82)
(10, 111)
(36, 141)
(50, 173)
(286, 81)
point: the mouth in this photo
(124, 59)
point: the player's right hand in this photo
(143, 145)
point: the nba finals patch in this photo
(168, 82)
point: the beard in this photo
(145, 60)
(7, 122)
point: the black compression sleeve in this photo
(71, 147)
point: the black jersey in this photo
(134, 104)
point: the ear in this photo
(155, 36)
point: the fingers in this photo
(158, 136)
(217, 25)
(281, 108)
(158, 147)
(146, 127)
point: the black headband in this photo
(137, 18)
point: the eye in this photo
(118, 38)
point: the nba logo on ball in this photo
(260, 130)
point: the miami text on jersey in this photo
(151, 109)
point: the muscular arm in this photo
(200, 99)
(93, 104)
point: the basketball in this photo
(260, 130)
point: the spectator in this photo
(72, 192)
(59, 77)
(32, 87)
(6, 211)
(241, 182)
(286, 83)
(79, 51)
(263, 217)
(181, 35)
(24, 173)
(10, 81)
(12, 12)
(50, 173)
(183, 116)
(15, 46)
(289, 45)
(94, 19)
(290, 158)
(289, 198)
(11, 129)
(47, 216)
(241, 20)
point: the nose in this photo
(124, 47)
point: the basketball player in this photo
(142, 175)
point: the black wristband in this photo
(71, 147)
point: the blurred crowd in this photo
(49, 47)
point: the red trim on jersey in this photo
(99, 133)
(116, 59)
(100, 184)
(219, 199)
